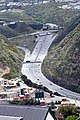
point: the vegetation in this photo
(30, 101)
(50, 13)
(41, 13)
(61, 65)
(26, 41)
(15, 15)
(66, 30)
(34, 85)
(67, 110)
(8, 32)
(10, 56)
(21, 27)
(72, 117)
(64, 59)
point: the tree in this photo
(67, 110)
(72, 117)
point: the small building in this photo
(51, 26)
(39, 94)
(24, 113)
(7, 83)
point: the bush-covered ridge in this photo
(50, 13)
(62, 64)
(8, 32)
(11, 57)
(41, 13)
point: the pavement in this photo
(32, 68)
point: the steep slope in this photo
(21, 27)
(62, 65)
(11, 57)
(8, 32)
(15, 15)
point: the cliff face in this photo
(62, 64)
(10, 57)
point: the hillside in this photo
(8, 32)
(21, 27)
(25, 41)
(50, 13)
(15, 15)
(41, 13)
(62, 64)
(10, 57)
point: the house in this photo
(17, 112)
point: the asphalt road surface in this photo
(32, 66)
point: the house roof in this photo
(27, 112)
(9, 118)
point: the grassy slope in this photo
(10, 56)
(8, 32)
(50, 13)
(62, 65)
(21, 28)
(40, 14)
(25, 41)
(15, 16)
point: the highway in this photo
(32, 68)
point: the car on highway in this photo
(42, 34)
(28, 61)
(48, 33)
(50, 84)
(61, 88)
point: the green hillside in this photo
(25, 41)
(11, 57)
(15, 16)
(8, 32)
(62, 64)
(50, 13)
(41, 13)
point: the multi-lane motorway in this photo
(32, 66)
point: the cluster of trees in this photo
(30, 101)
(72, 117)
(30, 84)
(68, 112)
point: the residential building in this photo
(15, 112)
